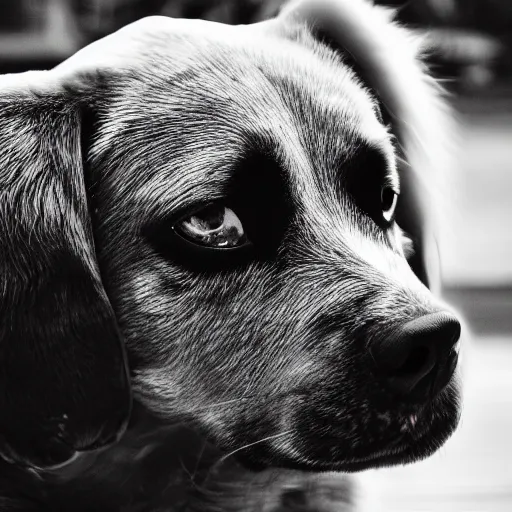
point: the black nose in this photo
(419, 358)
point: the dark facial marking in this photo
(257, 194)
(366, 176)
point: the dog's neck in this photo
(166, 468)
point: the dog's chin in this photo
(409, 438)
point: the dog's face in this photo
(249, 248)
(243, 190)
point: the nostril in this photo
(418, 356)
(419, 365)
(414, 363)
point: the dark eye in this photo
(214, 226)
(388, 199)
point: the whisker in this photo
(275, 436)
(201, 453)
(185, 469)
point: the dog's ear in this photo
(388, 60)
(64, 385)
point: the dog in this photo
(218, 285)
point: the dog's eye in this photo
(388, 199)
(213, 226)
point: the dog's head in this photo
(230, 201)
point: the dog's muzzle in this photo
(418, 359)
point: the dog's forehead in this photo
(208, 88)
(273, 71)
(264, 70)
(279, 50)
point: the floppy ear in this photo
(388, 60)
(64, 384)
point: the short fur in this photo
(249, 376)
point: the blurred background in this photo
(473, 54)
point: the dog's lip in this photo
(415, 430)
(380, 459)
(385, 457)
(395, 452)
(413, 422)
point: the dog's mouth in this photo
(395, 437)
(420, 435)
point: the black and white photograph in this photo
(255, 256)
